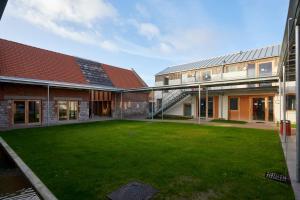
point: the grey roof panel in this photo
(266, 52)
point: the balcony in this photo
(225, 77)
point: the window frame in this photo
(68, 110)
(26, 112)
(287, 102)
(237, 104)
(262, 63)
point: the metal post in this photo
(121, 105)
(92, 106)
(280, 96)
(221, 106)
(297, 103)
(206, 104)
(162, 105)
(115, 102)
(199, 104)
(48, 103)
(284, 103)
(152, 110)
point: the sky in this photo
(147, 35)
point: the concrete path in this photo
(289, 149)
(264, 125)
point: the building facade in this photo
(258, 102)
(40, 87)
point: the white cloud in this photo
(192, 39)
(75, 11)
(60, 17)
(148, 30)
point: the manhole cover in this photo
(133, 191)
(278, 177)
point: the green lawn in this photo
(183, 161)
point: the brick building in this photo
(39, 87)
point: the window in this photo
(159, 103)
(234, 104)
(62, 110)
(33, 111)
(187, 110)
(19, 112)
(206, 76)
(166, 81)
(73, 109)
(67, 110)
(26, 111)
(251, 70)
(265, 69)
(291, 102)
(271, 110)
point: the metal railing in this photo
(227, 76)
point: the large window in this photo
(73, 109)
(26, 111)
(19, 112)
(33, 111)
(251, 70)
(62, 110)
(234, 103)
(206, 76)
(291, 102)
(166, 81)
(265, 69)
(67, 110)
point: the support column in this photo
(162, 105)
(121, 105)
(48, 104)
(152, 106)
(199, 104)
(284, 103)
(221, 106)
(206, 104)
(297, 35)
(280, 104)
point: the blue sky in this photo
(147, 35)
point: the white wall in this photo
(177, 109)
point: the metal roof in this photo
(243, 56)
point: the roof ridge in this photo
(214, 57)
(218, 57)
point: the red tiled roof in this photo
(19, 60)
(123, 78)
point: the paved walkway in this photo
(289, 149)
(264, 125)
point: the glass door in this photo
(19, 112)
(27, 112)
(258, 108)
(33, 112)
(271, 110)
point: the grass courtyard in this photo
(182, 161)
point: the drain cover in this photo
(278, 177)
(133, 191)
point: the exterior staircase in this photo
(170, 99)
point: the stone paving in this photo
(289, 149)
